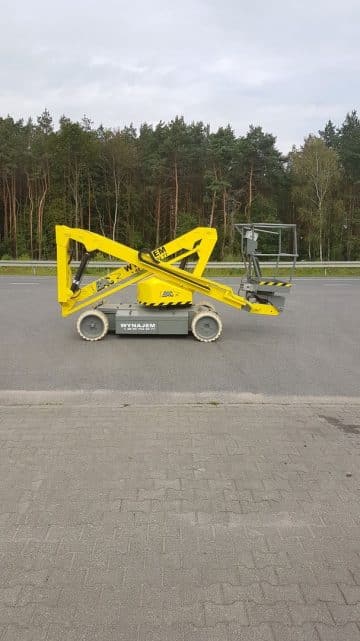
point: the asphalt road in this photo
(313, 348)
(162, 488)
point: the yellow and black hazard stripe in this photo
(163, 305)
(273, 283)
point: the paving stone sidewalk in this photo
(184, 522)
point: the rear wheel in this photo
(207, 305)
(92, 325)
(206, 326)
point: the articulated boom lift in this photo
(165, 287)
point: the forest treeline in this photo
(147, 186)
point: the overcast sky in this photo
(287, 65)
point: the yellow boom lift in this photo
(165, 285)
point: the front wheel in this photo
(206, 326)
(92, 325)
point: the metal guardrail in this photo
(215, 265)
(212, 265)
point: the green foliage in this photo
(136, 239)
(144, 186)
(330, 135)
(186, 222)
(5, 248)
(99, 257)
(316, 173)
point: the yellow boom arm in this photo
(161, 262)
